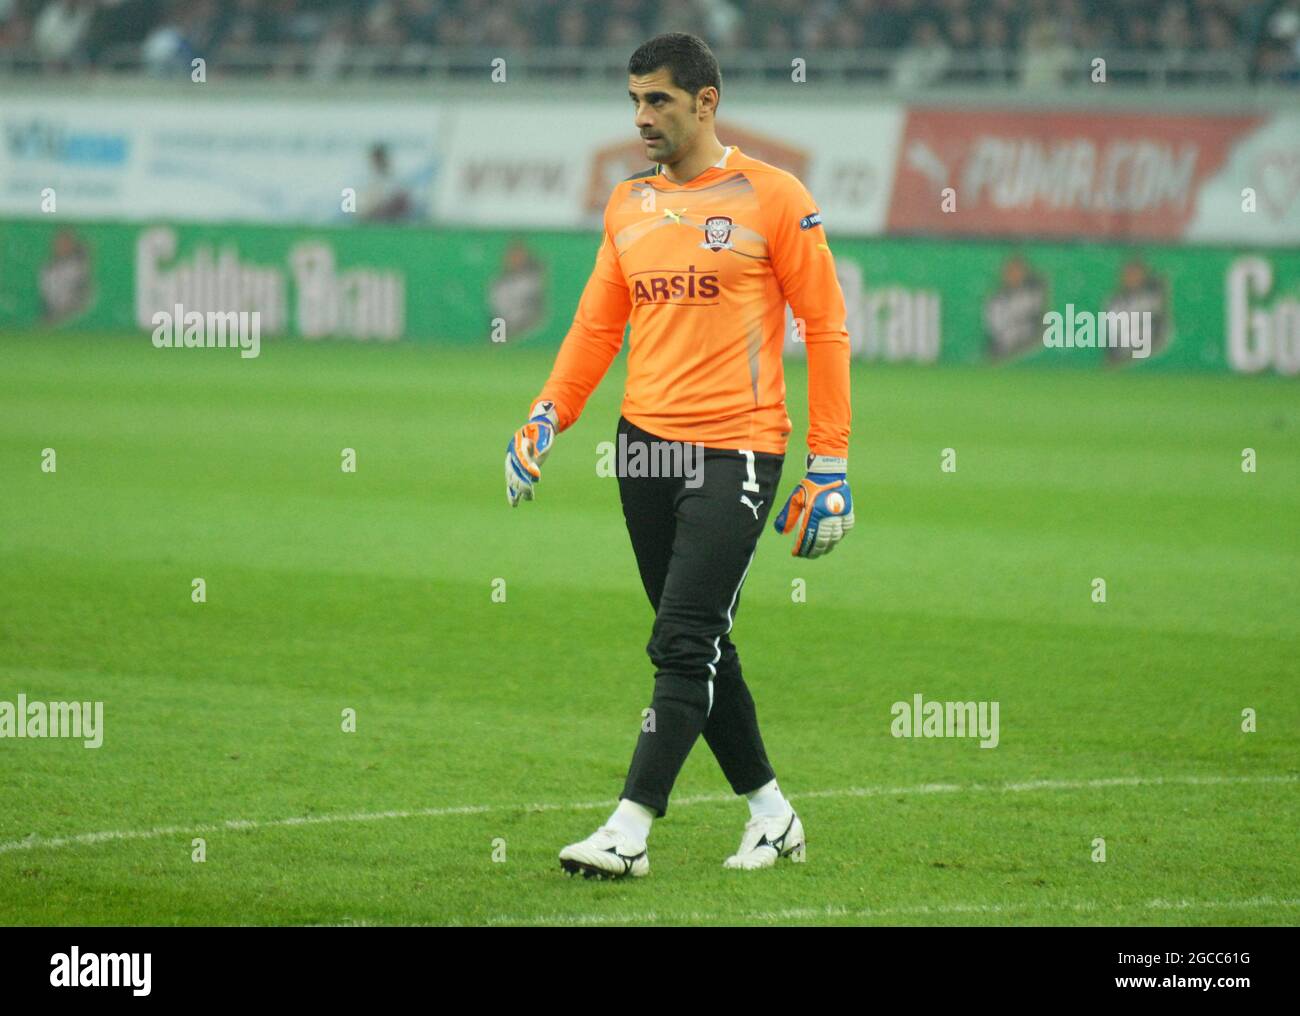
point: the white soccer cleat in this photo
(606, 853)
(765, 839)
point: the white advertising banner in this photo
(1255, 198)
(553, 165)
(217, 160)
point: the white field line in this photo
(874, 913)
(35, 842)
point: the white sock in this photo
(768, 801)
(632, 820)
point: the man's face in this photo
(666, 116)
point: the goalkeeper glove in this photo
(527, 451)
(824, 504)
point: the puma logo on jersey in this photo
(675, 216)
(744, 499)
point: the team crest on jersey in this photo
(717, 232)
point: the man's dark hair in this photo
(688, 58)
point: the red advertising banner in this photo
(1103, 175)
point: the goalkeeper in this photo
(700, 254)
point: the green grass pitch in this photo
(489, 734)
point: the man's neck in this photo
(688, 168)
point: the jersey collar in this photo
(720, 164)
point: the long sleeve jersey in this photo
(703, 271)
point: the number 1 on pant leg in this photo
(751, 481)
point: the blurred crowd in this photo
(931, 41)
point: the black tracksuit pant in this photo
(693, 546)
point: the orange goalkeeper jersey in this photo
(703, 271)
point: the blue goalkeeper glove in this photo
(527, 451)
(821, 507)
